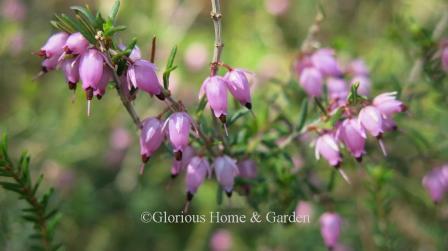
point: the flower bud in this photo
(311, 80)
(142, 74)
(353, 136)
(388, 104)
(91, 69)
(389, 124)
(151, 137)
(179, 125)
(325, 61)
(226, 170)
(327, 146)
(176, 168)
(238, 85)
(54, 45)
(76, 44)
(434, 185)
(247, 169)
(71, 71)
(330, 228)
(364, 84)
(215, 88)
(370, 118)
(197, 171)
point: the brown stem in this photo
(124, 99)
(216, 16)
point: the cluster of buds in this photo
(330, 229)
(215, 88)
(82, 61)
(87, 52)
(436, 183)
(354, 116)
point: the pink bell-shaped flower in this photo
(358, 68)
(433, 183)
(330, 228)
(238, 85)
(197, 170)
(91, 69)
(142, 74)
(370, 118)
(388, 104)
(179, 124)
(226, 170)
(353, 136)
(215, 88)
(76, 44)
(151, 137)
(325, 61)
(311, 80)
(247, 169)
(327, 146)
(71, 72)
(54, 45)
(389, 124)
(337, 89)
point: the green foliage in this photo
(169, 67)
(17, 179)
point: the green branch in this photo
(17, 179)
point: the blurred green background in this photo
(93, 162)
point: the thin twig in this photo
(216, 16)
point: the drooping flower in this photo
(389, 124)
(238, 85)
(142, 74)
(247, 169)
(364, 84)
(327, 146)
(215, 88)
(151, 137)
(337, 89)
(311, 80)
(54, 45)
(226, 170)
(434, 185)
(179, 124)
(325, 61)
(388, 104)
(91, 70)
(358, 68)
(370, 118)
(76, 44)
(330, 228)
(353, 136)
(71, 71)
(197, 170)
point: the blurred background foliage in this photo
(93, 162)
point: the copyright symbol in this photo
(145, 217)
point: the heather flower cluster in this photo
(354, 117)
(436, 183)
(94, 61)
